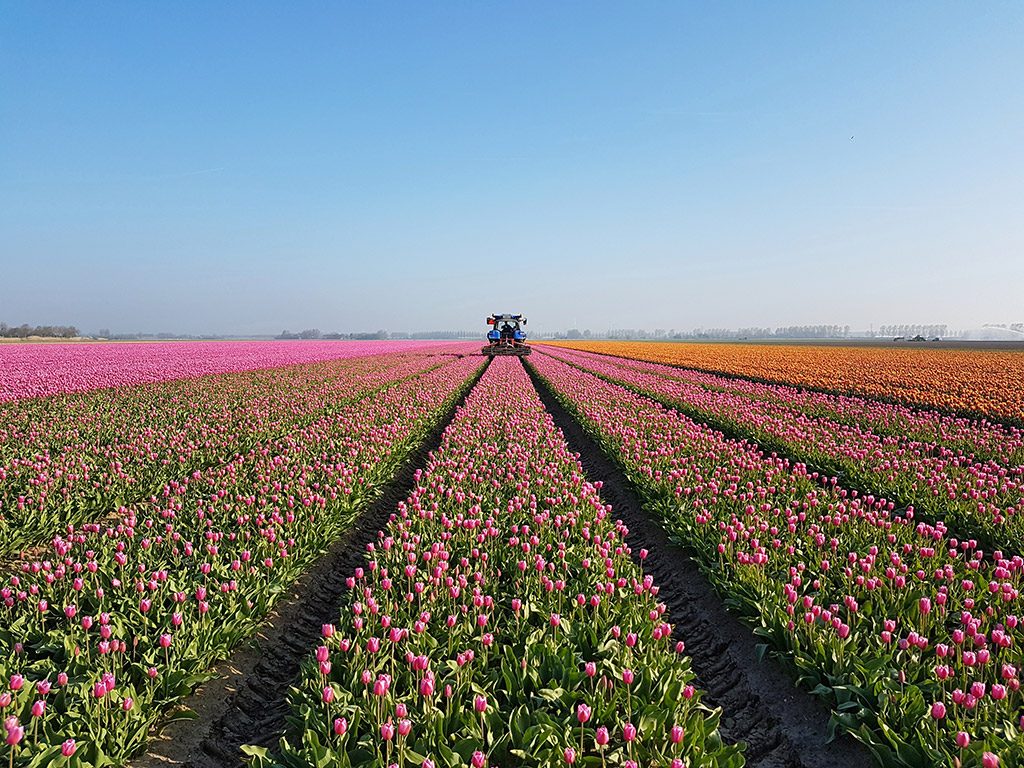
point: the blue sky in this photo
(247, 167)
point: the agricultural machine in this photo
(506, 336)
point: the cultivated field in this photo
(978, 379)
(377, 554)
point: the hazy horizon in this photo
(246, 169)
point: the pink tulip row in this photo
(499, 620)
(68, 461)
(38, 370)
(914, 636)
(975, 497)
(123, 617)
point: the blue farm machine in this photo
(506, 335)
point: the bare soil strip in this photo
(246, 702)
(783, 726)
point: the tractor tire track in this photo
(782, 726)
(246, 701)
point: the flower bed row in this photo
(66, 460)
(499, 620)
(981, 499)
(125, 618)
(913, 637)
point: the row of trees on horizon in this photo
(315, 333)
(25, 330)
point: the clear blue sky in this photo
(245, 167)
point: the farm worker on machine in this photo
(506, 335)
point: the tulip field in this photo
(159, 501)
(34, 370)
(116, 618)
(97, 451)
(979, 382)
(969, 474)
(499, 618)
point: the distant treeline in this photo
(315, 333)
(104, 333)
(380, 335)
(788, 332)
(25, 330)
(785, 332)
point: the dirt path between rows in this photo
(783, 726)
(246, 702)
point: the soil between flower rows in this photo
(783, 726)
(246, 700)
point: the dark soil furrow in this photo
(246, 702)
(781, 724)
